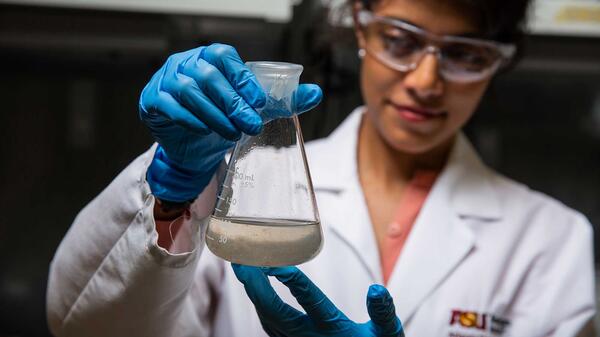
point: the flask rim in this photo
(281, 68)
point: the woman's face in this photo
(418, 111)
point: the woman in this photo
(404, 201)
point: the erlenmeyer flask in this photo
(266, 213)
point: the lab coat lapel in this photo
(334, 170)
(354, 227)
(441, 238)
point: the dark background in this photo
(70, 83)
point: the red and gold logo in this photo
(469, 319)
(478, 321)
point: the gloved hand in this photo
(196, 106)
(322, 318)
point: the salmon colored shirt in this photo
(408, 209)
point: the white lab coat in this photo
(484, 250)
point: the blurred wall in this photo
(70, 85)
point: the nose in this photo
(424, 82)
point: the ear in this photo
(358, 32)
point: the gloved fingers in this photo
(226, 59)
(163, 105)
(382, 311)
(268, 304)
(214, 84)
(317, 306)
(306, 97)
(203, 107)
(186, 91)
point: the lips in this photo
(418, 114)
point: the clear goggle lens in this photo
(402, 46)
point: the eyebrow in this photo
(473, 35)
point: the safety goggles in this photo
(401, 46)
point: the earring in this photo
(361, 53)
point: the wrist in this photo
(171, 183)
(168, 211)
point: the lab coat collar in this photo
(333, 163)
(465, 176)
(333, 166)
(442, 236)
(471, 183)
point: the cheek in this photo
(376, 81)
(462, 101)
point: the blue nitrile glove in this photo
(322, 318)
(196, 106)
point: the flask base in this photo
(263, 242)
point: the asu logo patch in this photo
(479, 324)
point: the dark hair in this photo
(499, 20)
